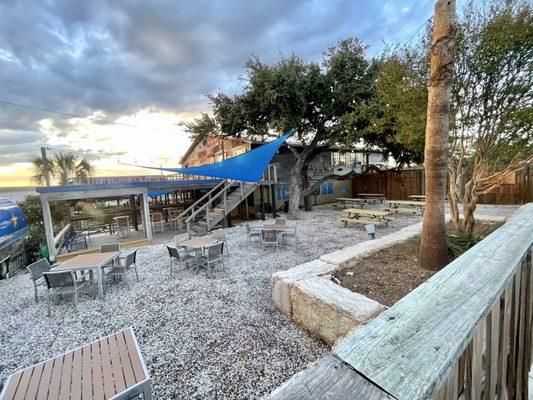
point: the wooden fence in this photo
(399, 185)
(465, 333)
(395, 185)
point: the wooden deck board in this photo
(64, 393)
(118, 375)
(86, 373)
(76, 375)
(129, 376)
(53, 393)
(96, 371)
(13, 385)
(134, 356)
(44, 385)
(23, 384)
(35, 379)
(107, 369)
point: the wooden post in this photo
(45, 166)
(273, 191)
(262, 201)
(133, 206)
(48, 228)
(433, 246)
(145, 209)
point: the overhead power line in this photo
(65, 114)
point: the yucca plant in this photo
(460, 240)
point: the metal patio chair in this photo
(290, 232)
(60, 283)
(158, 222)
(212, 255)
(181, 256)
(270, 237)
(252, 232)
(124, 267)
(36, 270)
(178, 239)
(220, 235)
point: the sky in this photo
(135, 69)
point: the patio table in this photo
(275, 227)
(197, 244)
(92, 262)
(109, 368)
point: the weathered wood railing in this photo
(465, 333)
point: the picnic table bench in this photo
(418, 197)
(374, 217)
(406, 206)
(109, 368)
(372, 197)
(348, 201)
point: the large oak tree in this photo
(323, 103)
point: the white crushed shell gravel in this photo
(202, 335)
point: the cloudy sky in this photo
(147, 65)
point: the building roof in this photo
(292, 141)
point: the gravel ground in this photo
(202, 336)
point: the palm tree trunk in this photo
(433, 246)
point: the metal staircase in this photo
(221, 200)
(216, 204)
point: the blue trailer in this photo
(13, 235)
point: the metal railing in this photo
(197, 204)
(222, 195)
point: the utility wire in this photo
(64, 113)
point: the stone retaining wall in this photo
(329, 311)
(307, 294)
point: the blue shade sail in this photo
(159, 193)
(247, 167)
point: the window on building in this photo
(343, 159)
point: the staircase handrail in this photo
(195, 204)
(213, 198)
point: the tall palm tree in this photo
(433, 247)
(63, 167)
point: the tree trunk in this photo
(433, 245)
(454, 198)
(295, 189)
(469, 205)
(306, 183)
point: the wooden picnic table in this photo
(409, 203)
(371, 197)
(375, 217)
(90, 262)
(109, 368)
(367, 213)
(349, 201)
(417, 197)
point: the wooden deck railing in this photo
(464, 334)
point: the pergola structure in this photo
(113, 190)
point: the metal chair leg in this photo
(35, 292)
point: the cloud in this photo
(123, 56)
(108, 59)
